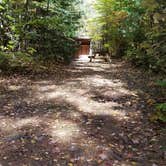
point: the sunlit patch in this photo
(6, 124)
(81, 68)
(117, 114)
(49, 92)
(126, 92)
(83, 58)
(14, 87)
(116, 65)
(44, 82)
(75, 115)
(47, 88)
(10, 125)
(55, 94)
(63, 131)
(94, 94)
(34, 121)
(84, 103)
(98, 80)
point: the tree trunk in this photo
(27, 3)
(48, 5)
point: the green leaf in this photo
(161, 83)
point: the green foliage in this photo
(135, 29)
(162, 83)
(42, 27)
(11, 61)
(160, 113)
(4, 61)
(162, 107)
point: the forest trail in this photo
(89, 114)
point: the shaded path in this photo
(88, 115)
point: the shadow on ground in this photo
(89, 114)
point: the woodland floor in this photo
(87, 114)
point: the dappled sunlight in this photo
(125, 91)
(90, 67)
(81, 99)
(34, 121)
(42, 82)
(83, 58)
(98, 80)
(47, 88)
(10, 124)
(81, 83)
(63, 131)
(81, 68)
(52, 95)
(94, 94)
(88, 106)
(92, 112)
(14, 87)
(6, 124)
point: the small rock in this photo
(56, 150)
(154, 164)
(136, 141)
(5, 158)
(103, 156)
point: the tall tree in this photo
(44, 26)
(134, 29)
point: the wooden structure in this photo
(91, 49)
(84, 46)
(97, 48)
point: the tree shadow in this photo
(99, 135)
(31, 142)
(56, 131)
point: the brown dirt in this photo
(87, 114)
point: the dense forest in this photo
(40, 28)
(136, 31)
(45, 28)
(133, 29)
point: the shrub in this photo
(11, 61)
(160, 113)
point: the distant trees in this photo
(40, 27)
(135, 29)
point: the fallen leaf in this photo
(33, 141)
